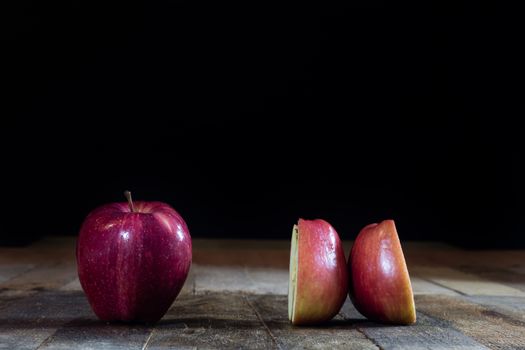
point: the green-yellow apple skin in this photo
(322, 277)
(380, 285)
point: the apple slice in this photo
(318, 274)
(380, 286)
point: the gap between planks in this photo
(262, 321)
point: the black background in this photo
(246, 116)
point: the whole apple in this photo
(133, 259)
(318, 275)
(380, 286)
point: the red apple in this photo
(133, 259)
(318, 274)
(379, 282)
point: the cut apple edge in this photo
(412, 315)
(292, 284)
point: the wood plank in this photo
(255, 253)
(466, 299)
(427, 333)
(488, 327)
(43, 277)
(428, 253)
(243, 257)
(237, 279)
(213, 320)
(215, 279)
(268, 280)
(73, 286)
(337, 334)
(8, 271)
(90, 333)
(206, 244)
(26, 323)
(455, 257)
(53, 249)
(493, 258)
(513, 307)
(8, 296)
(421, 286)
(464, 283)
(63, 320)
(499, 275)
(518, 268)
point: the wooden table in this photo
(235, 297)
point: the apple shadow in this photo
(87, 324)
(332, 324)
(209, 323)
(12, 325)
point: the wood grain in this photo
(235, 297)
(336, 334)
(27, 322)
(513, 307)
(507, 277)
(489, 327)
(215, 321)
(42, 277)
(90, 333)
(427, 333)
(422, 286)
(464, 283)
(8, 271)
(254, 280)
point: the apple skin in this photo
(380, 285)
(322, 276)
(132, 265)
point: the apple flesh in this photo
(380, 286)
(318, 283)
(133, 259)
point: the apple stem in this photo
(127, 194)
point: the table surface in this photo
(235, 297)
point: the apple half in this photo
(380, 287)
(318, 283)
